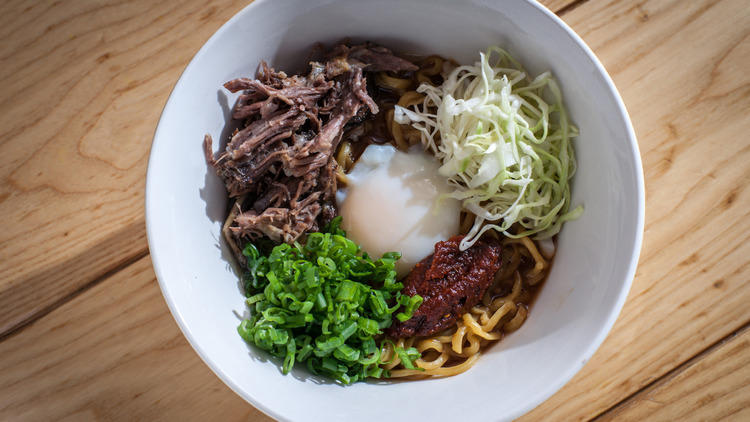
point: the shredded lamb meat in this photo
(280, 166)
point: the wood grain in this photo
(83, 84)
(112, 353)
(713, 386)
(684, 80)
(560, 6)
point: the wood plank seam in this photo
(671, 151)
(614, 409)
(14, 329)
(569, 7)
(19, 300)
(63, 300)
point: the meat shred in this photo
(280, 165)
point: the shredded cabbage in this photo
(502, 146)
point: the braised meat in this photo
(280, 163)
(451, 282)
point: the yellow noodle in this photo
(533, 278)
(341, 177)
(481, 312)
(507, 308)
(431, 343)
(396, 131)
(410, 98)
(398, 137)
(402, 373)
(540, 262)
(423, 79)
(344, 156)
(395, 363)
(404, 135)
(452, 353)
(517, 320)
(396, 360)
(456, 349)
(457, 342)
(392, 83)
(432, 65)
(386, 352)
(444, 338)
(474, 344)
(433, 364)
(389, 122)
(512, 264)
(517, 285)
(475, 328)
(445, 371)
(498, 303)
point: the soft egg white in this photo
(395, 202)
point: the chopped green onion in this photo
(410, 304)
(323, 303)
(408, 356)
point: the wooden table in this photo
(85, 333)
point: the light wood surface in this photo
(686, 103)
(85, 332)
(113, 352)
(83, 86)
(712, 386)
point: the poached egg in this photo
(397, 202)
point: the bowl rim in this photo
(553, 387)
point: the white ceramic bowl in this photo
(597, 254)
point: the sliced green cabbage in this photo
(503, 147)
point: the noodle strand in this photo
(504, 307)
